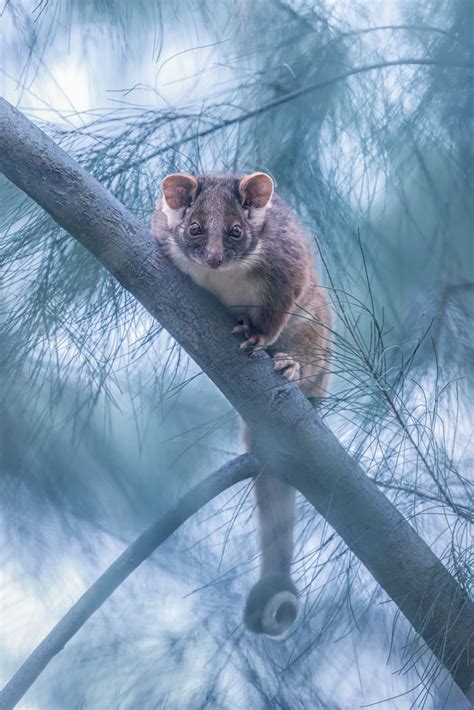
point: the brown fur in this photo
(267, 278)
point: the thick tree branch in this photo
(289, 435)
(233, 472)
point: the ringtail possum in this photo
(238, 239)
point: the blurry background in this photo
(105, 422)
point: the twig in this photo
(291, 96)
(231, 473)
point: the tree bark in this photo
(289, 435)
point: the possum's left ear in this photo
(256, 190)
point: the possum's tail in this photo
(272, 605)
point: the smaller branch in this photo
(233, 472)
(407, 27)
(384, 388)
(457, 64)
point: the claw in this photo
(245, 326)
(249, 342)
(256, 342)
(286, 366)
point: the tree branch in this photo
(289, 435)
(290, 96)
(233, 472)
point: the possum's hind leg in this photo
(286, 366)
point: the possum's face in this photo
(216, 221)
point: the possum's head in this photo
(216, 221)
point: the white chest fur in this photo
(234, 287)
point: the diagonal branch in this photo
(289, 436)
(285, 98)
(231, 473)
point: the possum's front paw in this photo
(245, 327)
(253, 339)
(286, 366)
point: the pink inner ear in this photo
(256, 190)
(179, 191)
(177, 197)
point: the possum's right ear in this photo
(179, 190)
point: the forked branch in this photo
(233, 472)
(289, 435)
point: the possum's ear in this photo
(179, 190)
(256, 190)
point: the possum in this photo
(235, 237)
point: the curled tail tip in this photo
(272, 605)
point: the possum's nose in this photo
(214, 259)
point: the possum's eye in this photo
(236, 231)
(195, 230)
